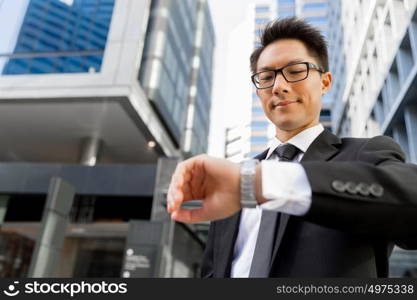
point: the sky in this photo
(232, 89)
(11, 16)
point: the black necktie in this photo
(269, 222)
(286, 152)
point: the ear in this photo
(326, 82)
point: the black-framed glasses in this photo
(291, 73)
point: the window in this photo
(315, 6)
(261, 9)
(54, 30)
(259, 140)
(261, 20)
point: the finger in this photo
(177, 181)
(183, 175)
(190, 215)
(170, 196)
(174, 189)
(177, 199)
(170, 199)
(188, 193)
(197, 181)
(181, 191)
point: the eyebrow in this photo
(294, 61)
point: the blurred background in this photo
(99, 99)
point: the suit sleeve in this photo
(208, 262)
(390, 213)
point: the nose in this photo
(280, 84)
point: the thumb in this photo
(190, 215)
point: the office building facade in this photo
(237, 143)
(178, 87)
(374, 80)
(77, 32)
(76, 104)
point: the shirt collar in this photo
(302, 140)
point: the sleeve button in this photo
(376, 190)
(338, 186)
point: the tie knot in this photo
(287, 152)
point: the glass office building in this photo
(374, 47)
(60, 37)
(316, 13)
(200, 88)
(72, 107)
(177, 72)
(286, 8)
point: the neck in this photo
(285, 135)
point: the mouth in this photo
(282, 104)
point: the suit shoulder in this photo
(380, 146)
(370, 146)
(353, 141)
(378, 140)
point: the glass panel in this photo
(53, 36)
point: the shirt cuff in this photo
(286, 186)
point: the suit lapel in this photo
(323, 148)
(262, 155)
(226, 240)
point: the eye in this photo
(296, 72)
(266, 78)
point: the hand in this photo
(215, 181)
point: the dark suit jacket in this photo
(364, 201)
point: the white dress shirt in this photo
(286, 186)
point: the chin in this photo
(287, 126)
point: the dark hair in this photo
(293, 28)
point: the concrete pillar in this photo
(165, 169)
(54, 226)
(410, 117)
(90, 150)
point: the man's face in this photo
(303, 98)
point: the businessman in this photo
(315, 205)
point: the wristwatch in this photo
(247, 183)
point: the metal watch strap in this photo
(247, 183)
